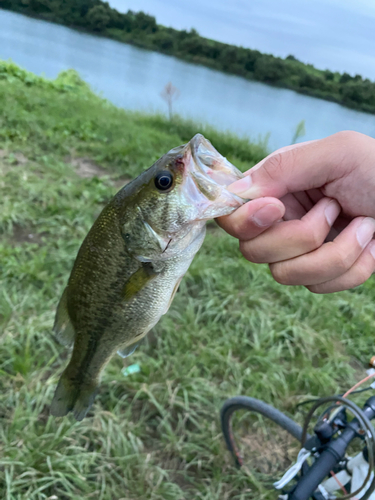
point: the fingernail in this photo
(365, 231)
(332, 211)
(240, 186)
(267, 215)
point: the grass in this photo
(231, 329)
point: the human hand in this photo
(312, 214)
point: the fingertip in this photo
(268, 215)
(252, 218)
(332, 211)
(240, 186)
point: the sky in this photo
(330, 34)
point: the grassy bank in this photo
(231, 329)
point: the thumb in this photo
(300, 167)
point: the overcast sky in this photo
(334, 34)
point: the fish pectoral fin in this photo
(139, 280)
(129, 349)
(63, 328)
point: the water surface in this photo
(133, 78)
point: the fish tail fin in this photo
(84, 401)
(70, 398)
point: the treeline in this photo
(142, 30)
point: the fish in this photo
(132, 261)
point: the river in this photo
(133, 78)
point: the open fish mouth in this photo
(208, 176)
(201, 194)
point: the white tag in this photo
(294, 469)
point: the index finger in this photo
(302, 167)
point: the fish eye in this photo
(164, 180)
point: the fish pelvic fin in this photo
(128, 350)
(70, 398)
(63, 328)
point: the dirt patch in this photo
(8, 159)
(269, 450)
(23, 234)
(86, 168)
(19, 158)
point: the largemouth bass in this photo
(132, 261)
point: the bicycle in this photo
(323, 469)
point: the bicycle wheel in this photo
(260, 438)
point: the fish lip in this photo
(207, 175)
(211, 163)
(196, 141)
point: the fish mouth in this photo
(208, 174)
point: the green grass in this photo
(231, 329)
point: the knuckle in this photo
(363, 273)
(241, 229)
(349, 140)
(231, 226)
(275, 164)
(313, 237)
(281, 273)
(314, 289)
(345, 142)
(342, 259)
(251, 252)
(346, 135)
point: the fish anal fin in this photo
(139, 280)
(63, 328)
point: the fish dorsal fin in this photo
(63, 328)
(139, 280)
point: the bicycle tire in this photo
(257, 406)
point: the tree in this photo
(164, 40)
(170, 93)
(98, 18)
(251, 58)
(312, 82)
(144, 22)
(228, 57)
(329, 75)
(345, 78)
(193, 45)
(270, 69)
